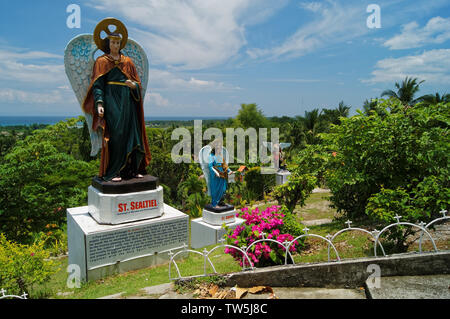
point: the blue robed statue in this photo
(214, 163)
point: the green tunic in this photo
(121, 115)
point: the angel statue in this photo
(213, 160)
(111, 91)
(277, 151)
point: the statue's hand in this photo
(130, 84)
(101, 110)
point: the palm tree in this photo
(405, 91)
(333, 116)
(431, 99)
(343, 109)
(311, 123)
(370, 106)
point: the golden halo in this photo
(104, 26)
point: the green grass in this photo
(316, 207)
(130, 283)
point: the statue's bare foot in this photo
(139, 176)
(117, 179)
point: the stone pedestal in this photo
(101, 250)
(130, 200)
(282, 177)
(204, 234)
(116, 209)
(217, 219)
(208, 230)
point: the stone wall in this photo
(350, 273)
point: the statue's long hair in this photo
(107, 49)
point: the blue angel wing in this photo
(284, 145)
(203, 158)
(140, 60)
(78, 63)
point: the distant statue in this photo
(214, 160)
(111, 95)
(278, 154)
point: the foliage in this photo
(313, 159)
(405, 91)
(38, 183)
(270, 222)
(290, 223)
(258, 184)
(296, 190)
(22, 266)
(398, 162)
(430, 99)
(251, 116)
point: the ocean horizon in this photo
(30, 120)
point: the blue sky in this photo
(209, 56)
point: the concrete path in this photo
(411, 287)
(397, 287)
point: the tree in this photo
(431, 99)
(392, 164)
(333, 116)
(251, 116)
(313, 124)
(405, 91)
(85, 143)
(38, 183)
(369, 106)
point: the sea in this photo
(30, 120)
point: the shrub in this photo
(270, 222)
(391, 163)
(401, 149)
(38, 182)
(257, 184)
(22, 266)
(297, 189)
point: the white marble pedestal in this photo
(114, 209)
(101, 250)
(282, 177)
(204, 234)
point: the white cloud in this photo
(436, 31)
(30, 66)
(51, 97)
(154, 98)
(311, 6)
(335, 24)
(190, 34)
(165, 80)
(432, 66)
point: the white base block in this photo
(101, 250)
(113, 209)
(217, 219)
(204, 234)
(282, 177)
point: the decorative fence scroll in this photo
(287, 244)
(4, 295)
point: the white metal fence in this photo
(423, 228)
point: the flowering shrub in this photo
(268, 224)
(22, 266)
